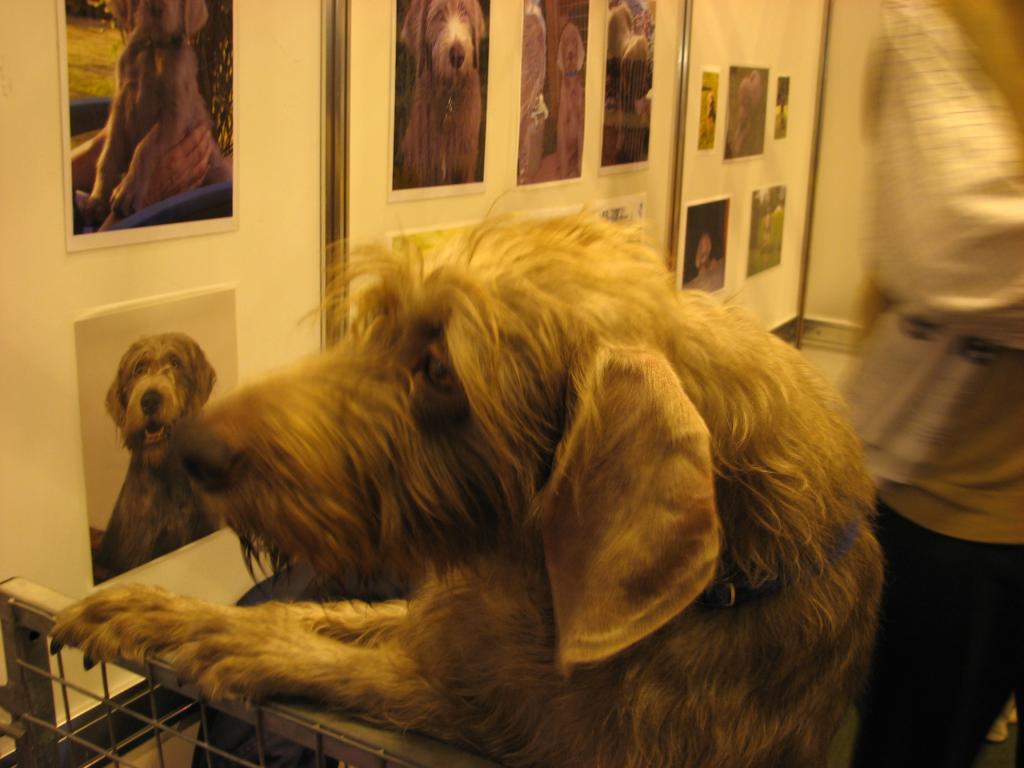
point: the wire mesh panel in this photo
(155, 720)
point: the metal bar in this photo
(330, 736)
(205, 724)
(260, 748)
(25, 696)
(676, 185)
(72, 737)
(156, 718)
(812, 175)
(109, 710)
(335, 22)
(64, 695)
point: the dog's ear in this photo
(479, 27)
(414, 31)
(204, 377)
(630, 530)
(196, 14)
(114, 402)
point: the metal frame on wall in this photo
(333, 154)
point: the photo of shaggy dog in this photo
(160, 380)
(635, 527)
(441, 125)
(572, 59)
(629, 72)
(552, 92)
(156, 104)
(748, 97)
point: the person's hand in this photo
(184, 167)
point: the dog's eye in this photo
(439, 373)
(140, 368)
(173, 361)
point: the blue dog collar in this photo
(728, 594)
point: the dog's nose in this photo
(151, 400)
(208, 458)
(457, 55)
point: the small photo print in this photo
(551, 97)
(149, 119)
(708, 109)
(704, 249)
(782, 108)
(425, 241)
(748, 95)
(629, 72)
(143, 368)
(767, 213)
(440, 93)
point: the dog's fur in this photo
(160, 380)
(572, 60)
(557, 452)
(156, 103)
(442, 136)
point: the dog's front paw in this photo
(95, 208)
(128, 196)
(129, 623)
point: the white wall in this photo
(838, 235)
(272, 259)
(785, 37)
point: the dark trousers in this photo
(950, 649)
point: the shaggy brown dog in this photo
(156, 102)
(160, 380)
(443, 134)
(636, 525)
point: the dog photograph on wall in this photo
(142, 368)
(423, 242)
(782, 108)
(148, 119)
(628, 79)
(440, 97)
(708, 118)
(552, 90)
(705, 245)
(767, 214)
(748, 97)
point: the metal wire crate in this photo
(164, 717)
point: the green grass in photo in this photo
(93, 48)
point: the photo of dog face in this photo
(440, 92)
(160, 380)
(147, 150)
(748, 95)
(629, 73)
(552, 90)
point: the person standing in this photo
(938, 395)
